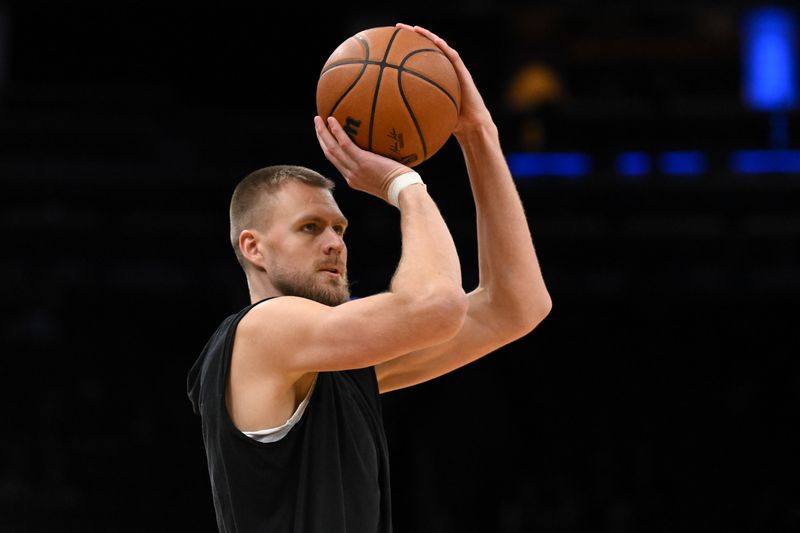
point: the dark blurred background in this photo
(655, 148)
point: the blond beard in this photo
(288, 283)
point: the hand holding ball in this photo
(393, 91)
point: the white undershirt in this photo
(277, 433)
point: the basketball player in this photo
(288, 388)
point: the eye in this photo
(339, 230)
(310, 227)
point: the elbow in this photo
(446, 312)
(528, 315)
(458, 306)
(540, 311)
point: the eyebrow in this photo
(317, 218)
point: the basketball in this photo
(393, 91)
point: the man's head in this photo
(287, 233)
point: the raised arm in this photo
(425, 305)
(511, 298)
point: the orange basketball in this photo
(393, 91)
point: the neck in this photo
(260, 287)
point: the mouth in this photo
(331, 270)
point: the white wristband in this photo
(401, 182)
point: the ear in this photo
(249, 246)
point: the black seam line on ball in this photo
(378, 85)
(423, 77)
(399, 67)
(411, 113)
(365, 44)
(400, 70)
(355, 62)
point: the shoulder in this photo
(278, 313)
(275, 333)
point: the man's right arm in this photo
(425, 305)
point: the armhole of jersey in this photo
(277, 433)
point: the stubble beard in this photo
(331, 292)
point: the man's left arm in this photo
(511, 298)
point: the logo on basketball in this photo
(397, 140)
(351, 126)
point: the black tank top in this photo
(328, 474)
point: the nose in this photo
(334, 243)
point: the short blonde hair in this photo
(252, 193)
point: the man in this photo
(288, 388)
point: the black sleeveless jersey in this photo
(328, 474)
